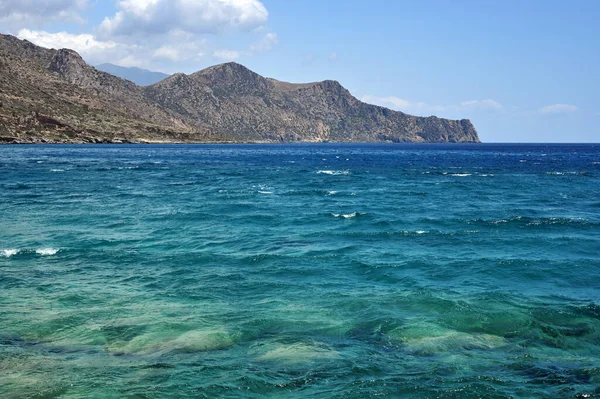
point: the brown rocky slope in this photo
(54, 96)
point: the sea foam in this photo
(346, 215)
(7, 253)
(46, 251)
(333, 172)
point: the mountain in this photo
(140, 77)
(49, 95)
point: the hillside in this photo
(54, 96)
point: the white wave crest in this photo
(7, 253)
(461, 174)
(567, 173)
(346, 215)
(57, 170)
(46, 251)
(333, 172)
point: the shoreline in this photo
(44, 141)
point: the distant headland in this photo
(54, 96)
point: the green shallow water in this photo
(354, 271)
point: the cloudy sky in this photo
(520, 70)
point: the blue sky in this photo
(522, 71)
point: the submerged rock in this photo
(293, 353)
(428, 339)
(166, 342)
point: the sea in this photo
(300, 271)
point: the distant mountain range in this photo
(53, 96)
(140, 77)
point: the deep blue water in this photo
(291, 271)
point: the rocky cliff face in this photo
(54, 96)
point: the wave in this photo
(529, 221)
(410, 233)
(347, 215)
(441, 173)
(7, 253)
(568, 173)
(314, 192)
(264, 189)
(46, 251)
(334, 172)
(18, 186)
(183, 183)
(57, 170)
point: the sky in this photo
(521, 71)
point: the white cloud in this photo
(94, 51)
(226, 55)
(84, 44)
(403, 105)
(40, 7)
(168, 53)
(421, 108)
(482, 104)
(175, 56)
(559, 109)
(159, 17)
(26, 13)
(266, 43)
(166, 35)
(333, 57)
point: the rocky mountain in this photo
(140, 77)
(54, 96)
(49, 95)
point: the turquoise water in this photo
(352, 271)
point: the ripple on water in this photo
(299, 271)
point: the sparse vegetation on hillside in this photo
(54, 96)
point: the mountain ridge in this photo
(49, 95)
(139, 76)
